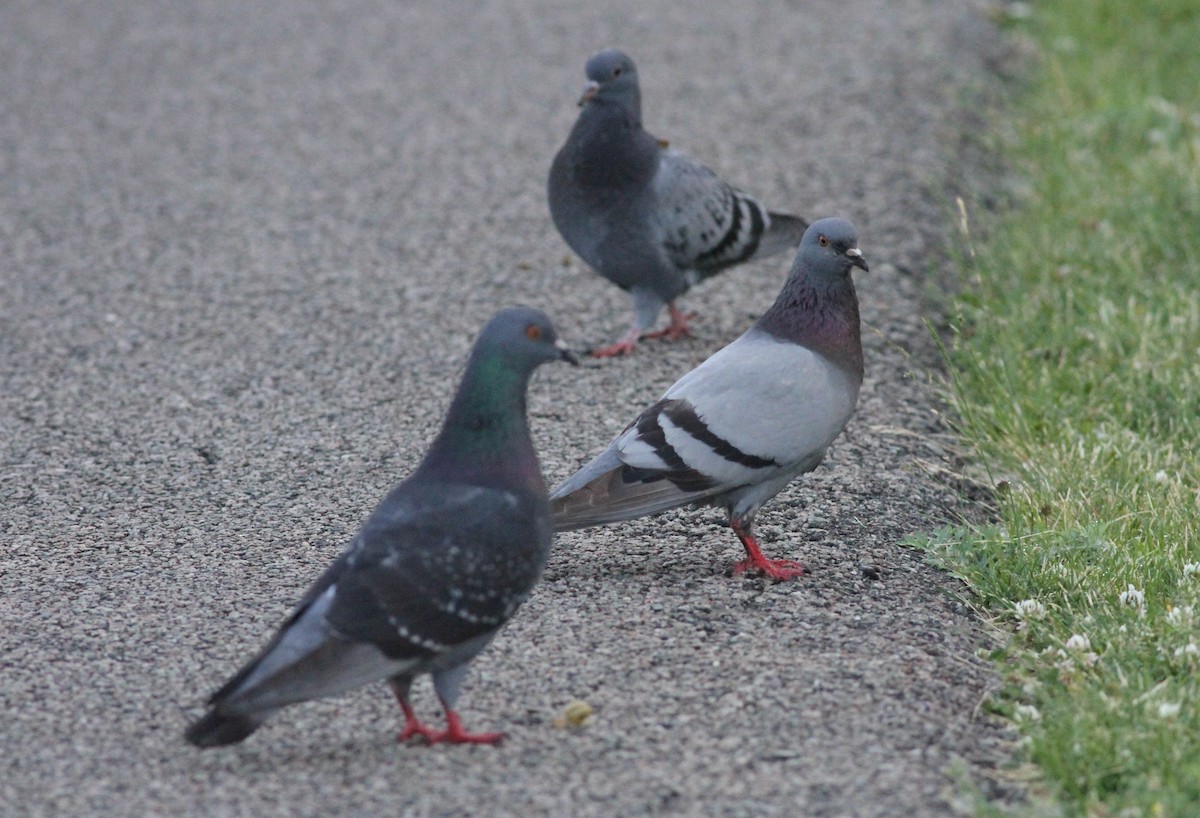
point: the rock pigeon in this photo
(436, 570)
(739, 427)
(646, 217)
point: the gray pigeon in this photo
(646, 217)
(739, 427)
(436, 570)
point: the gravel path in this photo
(244, 248)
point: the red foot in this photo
(623, 346)
(614, 350)
(453, 734)
(755, 561)
(678, 328)
(413, 726)
(775, 569)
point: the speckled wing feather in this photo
(469, 559)
(707, 225)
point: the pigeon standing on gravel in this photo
(649, 219)
(738, 428)
(436, 570)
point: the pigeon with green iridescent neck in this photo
(646, 217)
(738, 428)
(436, 570)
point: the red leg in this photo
(412, 725)
(678, 327)
(775, 569)
(453, 734)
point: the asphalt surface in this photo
(244, 248)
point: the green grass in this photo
(1076, 377)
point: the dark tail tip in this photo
(216, 729)
(783, 235)
(789, 223)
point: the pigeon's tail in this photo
(216, 729)
(607, 491)
(783, 234)
(306, 660)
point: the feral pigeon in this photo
(739, 427)
(646, 217)
(436, 570)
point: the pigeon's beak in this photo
(565, 353)
(590, 89)
(856, 258)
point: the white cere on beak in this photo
(589, 90)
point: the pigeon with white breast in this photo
(738, 428)
(646, 217)
(436, 570)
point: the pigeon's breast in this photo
(769, 399)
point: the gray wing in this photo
(705, 224)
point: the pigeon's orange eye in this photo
(821, 240)
(533, 332)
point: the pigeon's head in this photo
(525, 338)
(612, 76)
(830, 248)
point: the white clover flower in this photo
(1161, 476)
(1029, 609)
(1191, 569)
(1191, 650)
(1078, 643)
(1027, 712)
(1133, 597)
(1180, 616)
(1019, 11)
(1168, 710)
